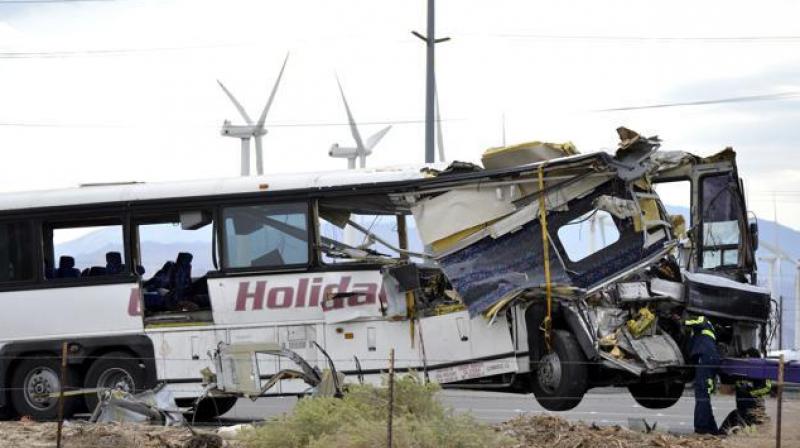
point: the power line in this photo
(737, 99)
(103, 51)
(274, 125)
(13, 2)
(710, 39)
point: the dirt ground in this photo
(106, 435)
(545, 431)
(530, 431)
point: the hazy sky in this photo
(125, 90)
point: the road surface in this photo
(607, 406)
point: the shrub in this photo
(359, 421)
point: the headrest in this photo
(113, 258)
(184, 258)
(66, 262)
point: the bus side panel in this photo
(83, 311)
(182, 353)
(459, 348)
(295, 297)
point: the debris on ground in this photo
(104, 435)
(547, 431)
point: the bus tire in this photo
(560, 378)
(113, 370)
(660, 395)
(210, 408)
(42, 375)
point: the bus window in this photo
(338, 234)
(266, 236)
(82, 251)
(720, 213)
(676, 196)
(16, 252)
(176, 253)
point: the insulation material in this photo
(619, 207)
(525, 153)
(458, 210)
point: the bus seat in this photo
(95, 271)
(66, 268)
(182, 281)
(162, 278)
(114, 263)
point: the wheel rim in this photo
(549, 372)
(116, 378)
(39, 383)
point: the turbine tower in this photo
(250, 130)
(360, 151)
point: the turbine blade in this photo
(263, 116)
(375, 138)
(259, 157)
(236, 103)
(353, 127)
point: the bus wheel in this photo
(659, 395)
(33, 382)
(114, 370)
(561, 377)
(209, 408)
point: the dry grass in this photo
(359, 421)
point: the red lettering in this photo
(286, 294)
(244, 294)
(315, 287)
(302, 288)
(367, 292)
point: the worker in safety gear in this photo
(704, 356)
(750, 410)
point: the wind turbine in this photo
(250, 130)
(360, 151)
(439, 136)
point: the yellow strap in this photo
(709, 333)
(546, 255)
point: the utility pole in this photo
(430, 80)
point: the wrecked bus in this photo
(475, 276)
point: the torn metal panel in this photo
(490, 269)
(717, 296)
(459, 210)
(666, 288)
(151, 406)
(633, 291)
(657, 351)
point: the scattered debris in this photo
(546, 431)
(116, 435)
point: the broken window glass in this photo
(587, 234)
(374, 232)
(720, 213)
(271, 236)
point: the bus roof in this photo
(139, 191)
